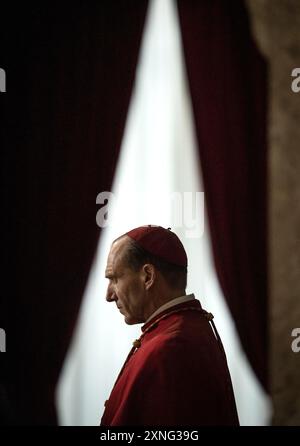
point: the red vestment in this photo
(177, 377)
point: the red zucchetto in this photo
(160, 242)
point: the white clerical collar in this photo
(171, 303)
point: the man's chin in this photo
(131, 321)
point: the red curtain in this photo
(70, 70)
(228, 84)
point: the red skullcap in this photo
(160, 242)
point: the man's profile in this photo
(176, 373)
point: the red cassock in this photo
(177, 377)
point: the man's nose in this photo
(110, 294)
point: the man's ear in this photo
(149, 274)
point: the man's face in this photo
(125, 285)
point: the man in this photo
(176, 373)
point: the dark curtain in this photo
(70, 69)
(227, 77)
